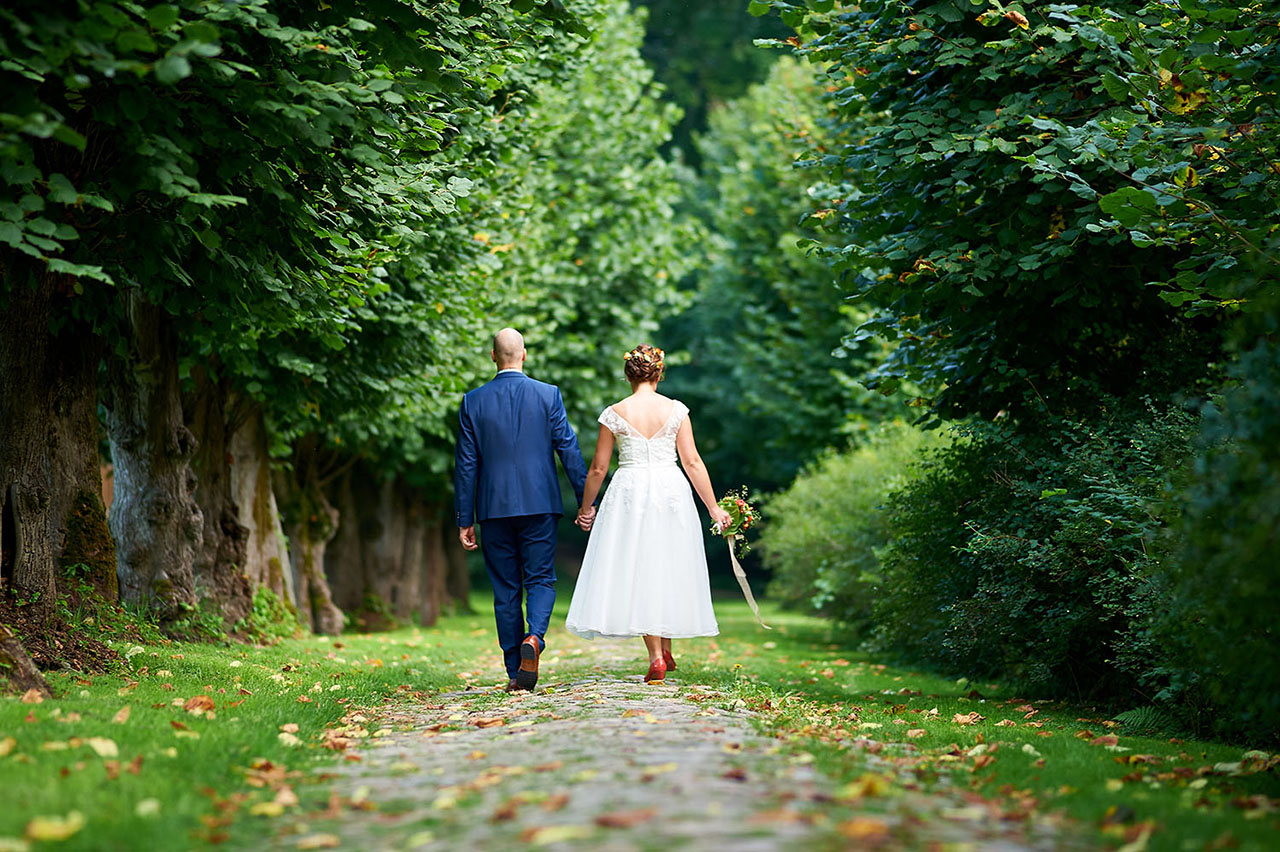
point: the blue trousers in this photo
(520, 556)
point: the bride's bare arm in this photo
(598, 470)
(697, 472)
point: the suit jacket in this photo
(510, 431)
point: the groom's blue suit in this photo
(510, 431)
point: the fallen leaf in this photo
(198, 704)
(289, 727)
(103, 747)
(967, 718)
(549, 767)
(626, 819)
(268, 809)
(147, 808)
(507, 811)
(1006, 723)
(1028, 748)
(32, 696)
(1105, 740)
(489, 722)
(548, 834)
(863, 828)
(556, 802)
(7, 746)
(318, 841)
(288, 739)
(477, 755)
(651, 772)
(122, 716)
(54, 828)
(869, 784)
(916, 733)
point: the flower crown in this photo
(637, 355)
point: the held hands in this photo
(586, 517)
(467, 535)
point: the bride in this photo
(645, 571)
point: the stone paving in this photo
(602, 762)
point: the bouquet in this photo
(742, 515)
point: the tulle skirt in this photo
(645, 570)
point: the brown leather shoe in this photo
(527, 674)
(511, 687)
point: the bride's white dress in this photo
(645, 570)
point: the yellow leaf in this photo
(439, 307)
(548, 834)
(319, 841)
(32, 696)
(14, 844)
(121, 717)
(54, 828)
(103, 746)
(288, 739)
(269, 809)
(7, 745)
(651, 772)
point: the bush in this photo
(821, 534)
(1222, 611)
(1031, 551)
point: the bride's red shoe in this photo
(669, 660)
(657, 671)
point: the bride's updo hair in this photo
(645, 364)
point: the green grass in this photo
(816, 694)
(195, 776)
(799, 676)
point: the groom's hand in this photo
(586, 518)
(467, 535)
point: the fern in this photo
(1149, 721)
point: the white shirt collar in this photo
(510, 370)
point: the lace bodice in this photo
(634, 449)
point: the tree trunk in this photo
(26, 487)
(458, 569)
(387, 560)
(17, 668)
(266, 561)
(311, 522)
(213, 414)
(154, 517)
(81, 541)
(434, 569)
(392, 560)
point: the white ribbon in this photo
(741, 576)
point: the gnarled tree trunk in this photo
(17, 671)
(213, 414)
(311, 522)
(50, 511)
(387, 558)
(266, 561)
(157, 524)
(434, 568)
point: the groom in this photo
(505, 478)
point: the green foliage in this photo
(977, 221)
(704, 56)
(767, 314)
(1035, 552)
(270, 620)
(1221, 619)
(824, 532)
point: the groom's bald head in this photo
(508, 348)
